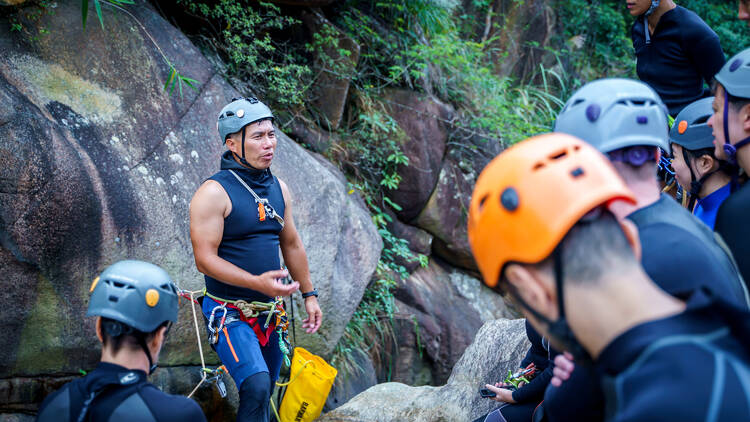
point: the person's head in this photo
(641, 7)
(539, 216)
(693, 147)
(246, 126)
(136, 303)
(743, 11)
(622, 118)
(731, 118)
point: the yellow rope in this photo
(275, 412)
(295, 375)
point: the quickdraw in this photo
(524, 375)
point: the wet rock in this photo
(498, 346)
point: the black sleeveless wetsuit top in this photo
(247, 242)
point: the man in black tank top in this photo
(136, 303)
(239, 220)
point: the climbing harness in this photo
(264, 207)
(252, 313)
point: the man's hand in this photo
(502, 395)
(269, 283)
(564, 366)
(314, 315)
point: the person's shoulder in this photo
(692, 26)
(55, 406)
(667, 382)
(171, 408)
(737, 202)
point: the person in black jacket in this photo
(519, 405)
(676, 51)
(136, 303)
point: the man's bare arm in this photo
(292, 248)
(209, 206)
(295, 258)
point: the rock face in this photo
(98, 164)
(338, 58)
(449, 308)
(499, 345)
(422, 119)
(526, 30)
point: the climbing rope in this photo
(207, 374)
(249, 310)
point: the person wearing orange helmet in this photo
(542, 231)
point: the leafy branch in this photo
(174, 78)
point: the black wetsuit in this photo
(733, 224)
(678, 57)
(681, 255)
(119, 395)
(694, 366)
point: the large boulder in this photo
(423, 119)
(498, 346)
(98, 163)
(440, 311)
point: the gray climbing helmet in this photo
(735, 75)
(612, 114)
(240, 113)
(138, 294)
(690, 129)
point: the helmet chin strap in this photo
(695, 185)
(559, 329)
(731, 149)
(144, 346)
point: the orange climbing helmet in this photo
(529, 197)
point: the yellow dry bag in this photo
(312, 379)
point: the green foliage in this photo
(603, 29)
(721, 16)
(275, 72)
(597, 36)
(98, 8)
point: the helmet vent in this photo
(538, 166)
(558, 155)
(229, 113)
(482, 201)
(113, 298)
(701, 120)
(578, 172)
(735, 65)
